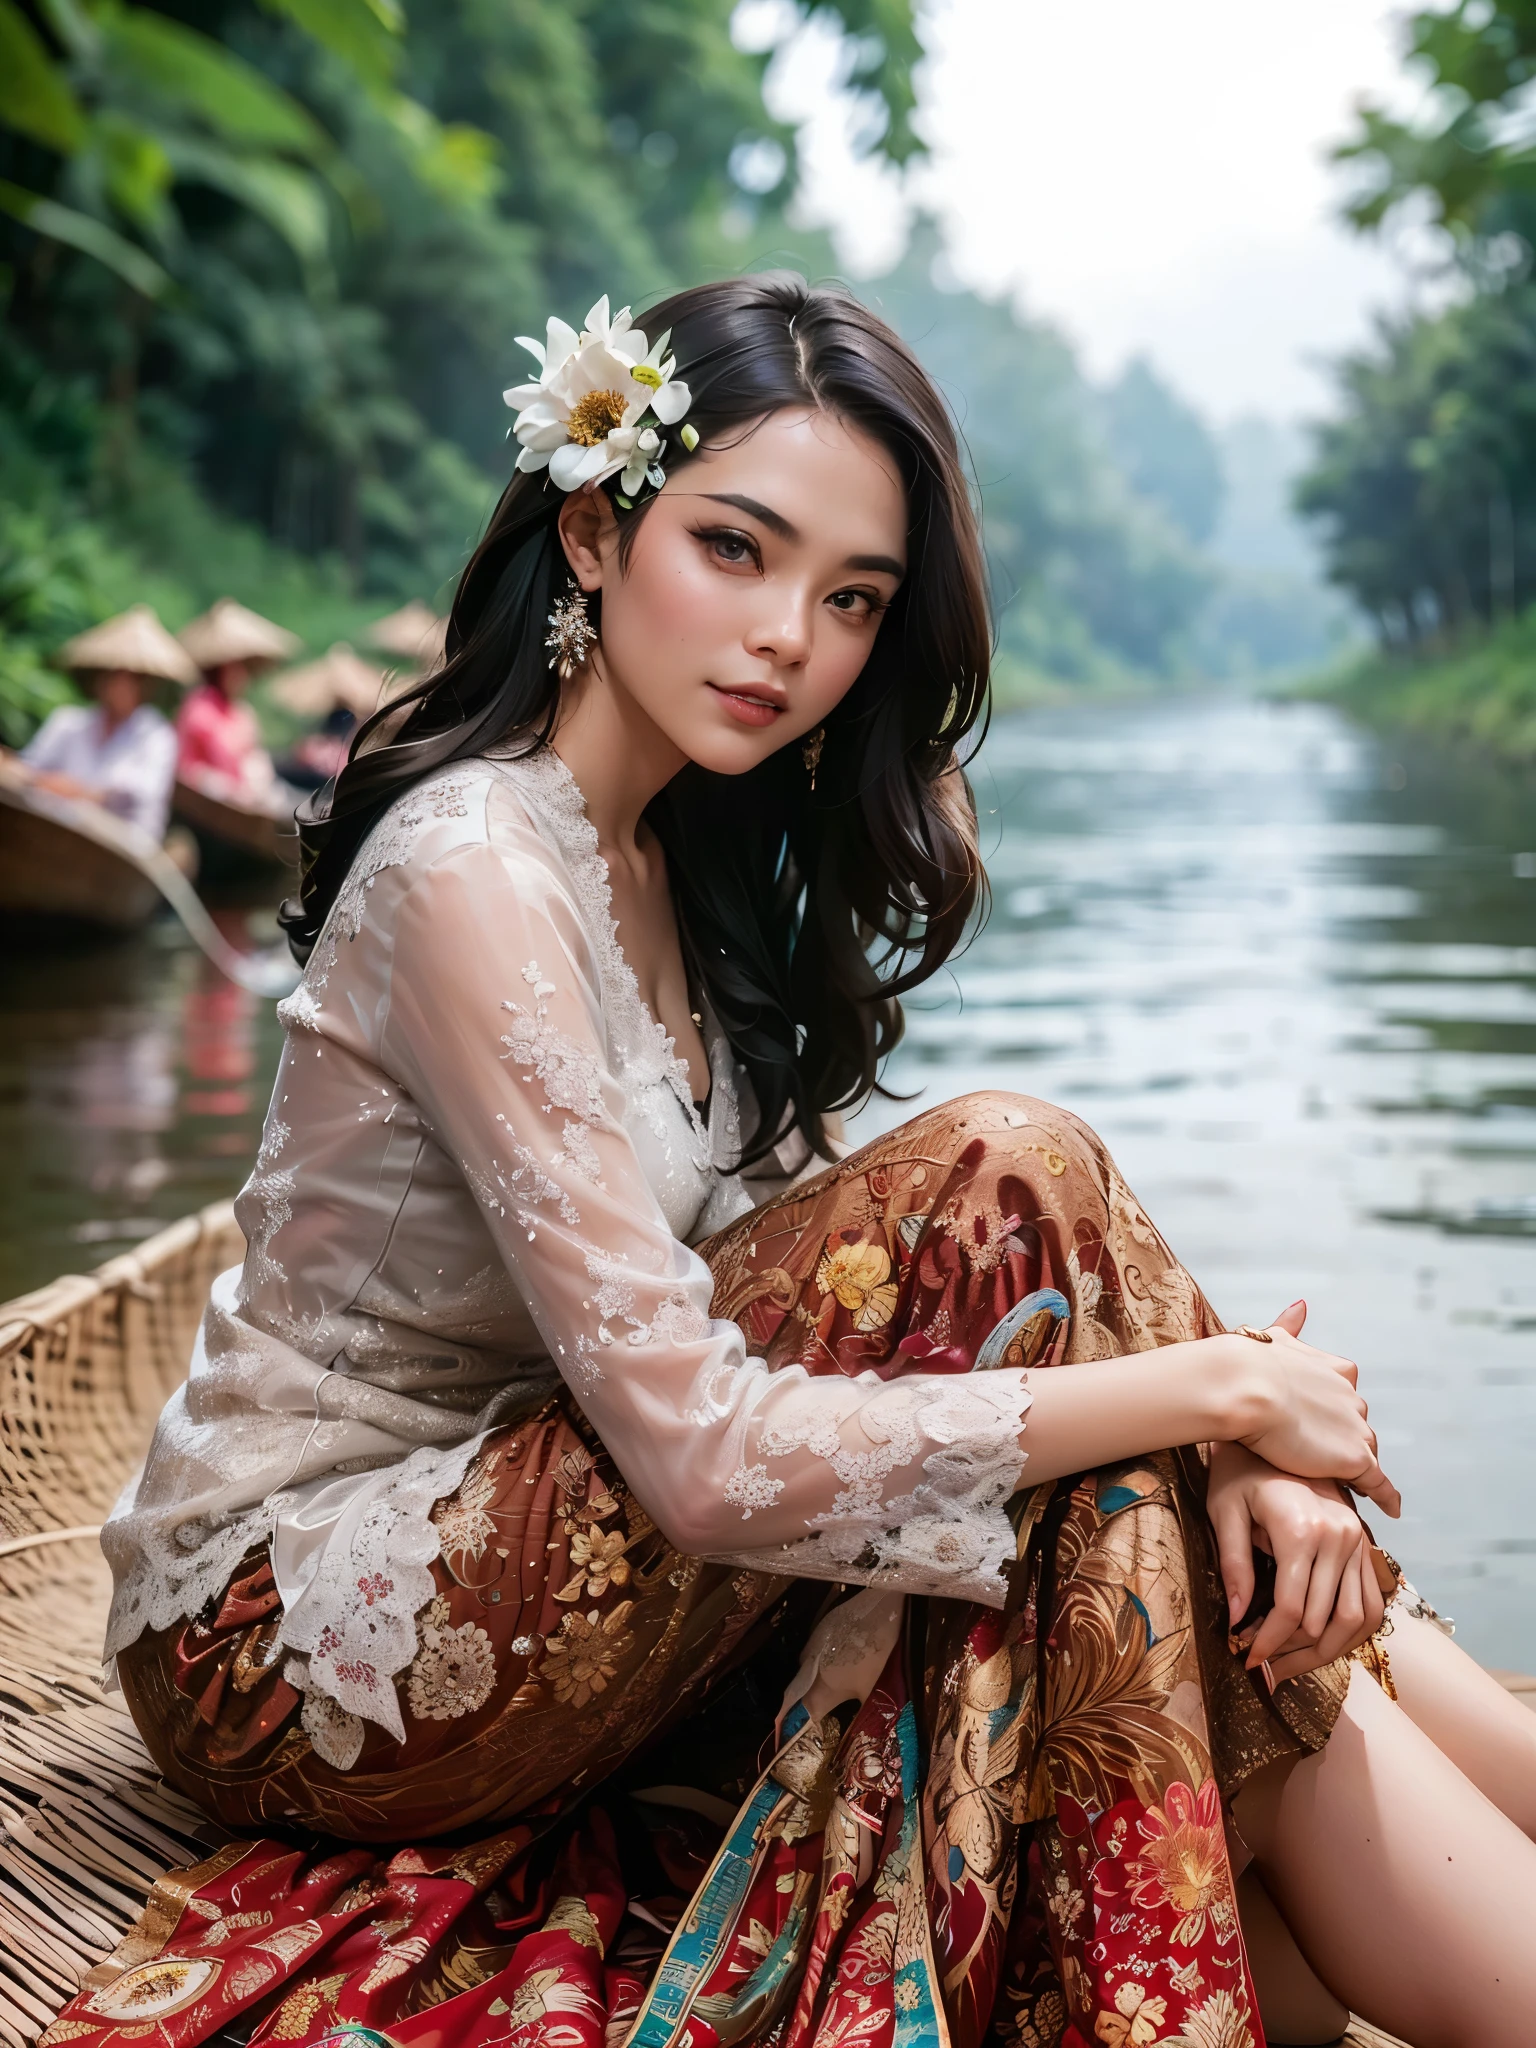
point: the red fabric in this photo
(216, 736)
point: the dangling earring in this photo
(572, 635)
(810, 751)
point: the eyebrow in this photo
(777, 523)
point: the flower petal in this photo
(532, 459)
(597, 321)
(521, 396)
(563, 341)
(539, 433)
(573, 465)
(671, 402)
(534, 348)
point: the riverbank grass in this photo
(1483, 691)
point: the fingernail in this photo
(1269, 1676)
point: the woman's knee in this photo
(1029, 1122)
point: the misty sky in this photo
(1152, 177)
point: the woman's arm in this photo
(1294, 1406)
(495, 1026)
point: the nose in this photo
(782, 634)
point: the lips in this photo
(750, 707)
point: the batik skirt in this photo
(601, 1828)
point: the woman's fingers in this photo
(1355, 1619)
(1374, 1484)
(1234, 1550)
(1291, 1319)
(1294, 1565)
(1335, 1583)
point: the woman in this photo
(737, 1621)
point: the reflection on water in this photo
(1291, 976)
(133, 1081)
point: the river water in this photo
(1286, 969)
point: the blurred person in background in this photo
(220, 751)
(118, 752)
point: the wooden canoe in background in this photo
(86, 1825)
(68, 862)
(235, 831)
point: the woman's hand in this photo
(1327, 1600)
(1314, 1427)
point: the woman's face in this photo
(755, 587)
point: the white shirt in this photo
(481, 1174)
(130, 771)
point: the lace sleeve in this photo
(495, 1027)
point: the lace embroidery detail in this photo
(356, 1646)
(750, 1487)
(271, 1188)
(580, 1154)
(678, 1321)
(649, 1053)
(585, 1372)
(300, 1011)
(525, 1181)
(860, 1471)
(950, 1535)
(389, 845)
(615, 1296)
(567, 1070)
(335, 1735)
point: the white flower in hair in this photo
(599, 399)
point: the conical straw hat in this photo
(134, 640)
(227, 631)
(414, 633)
(338, 677)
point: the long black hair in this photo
(806, 915)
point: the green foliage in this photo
(263, 262)
(1471, 151)
(1483, 693)
(1426, 484)
(1424, 488)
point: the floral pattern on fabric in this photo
(1013, 1839)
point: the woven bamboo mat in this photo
(86, 1826)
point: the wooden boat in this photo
(230, 834)
(70, 863)
(86, 1827)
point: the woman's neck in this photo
(617, 755)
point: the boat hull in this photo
(54, 875)
(232, 838)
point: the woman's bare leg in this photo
(1297, 2008)
(1484, 1730)
(1409, 1892)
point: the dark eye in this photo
(733, 549)
(855, 604)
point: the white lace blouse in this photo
(480, 1175)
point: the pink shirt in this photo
(220, 745)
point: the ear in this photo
(589, 533)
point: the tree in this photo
(230, 222)
(1425, 487)
(1164, 449)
